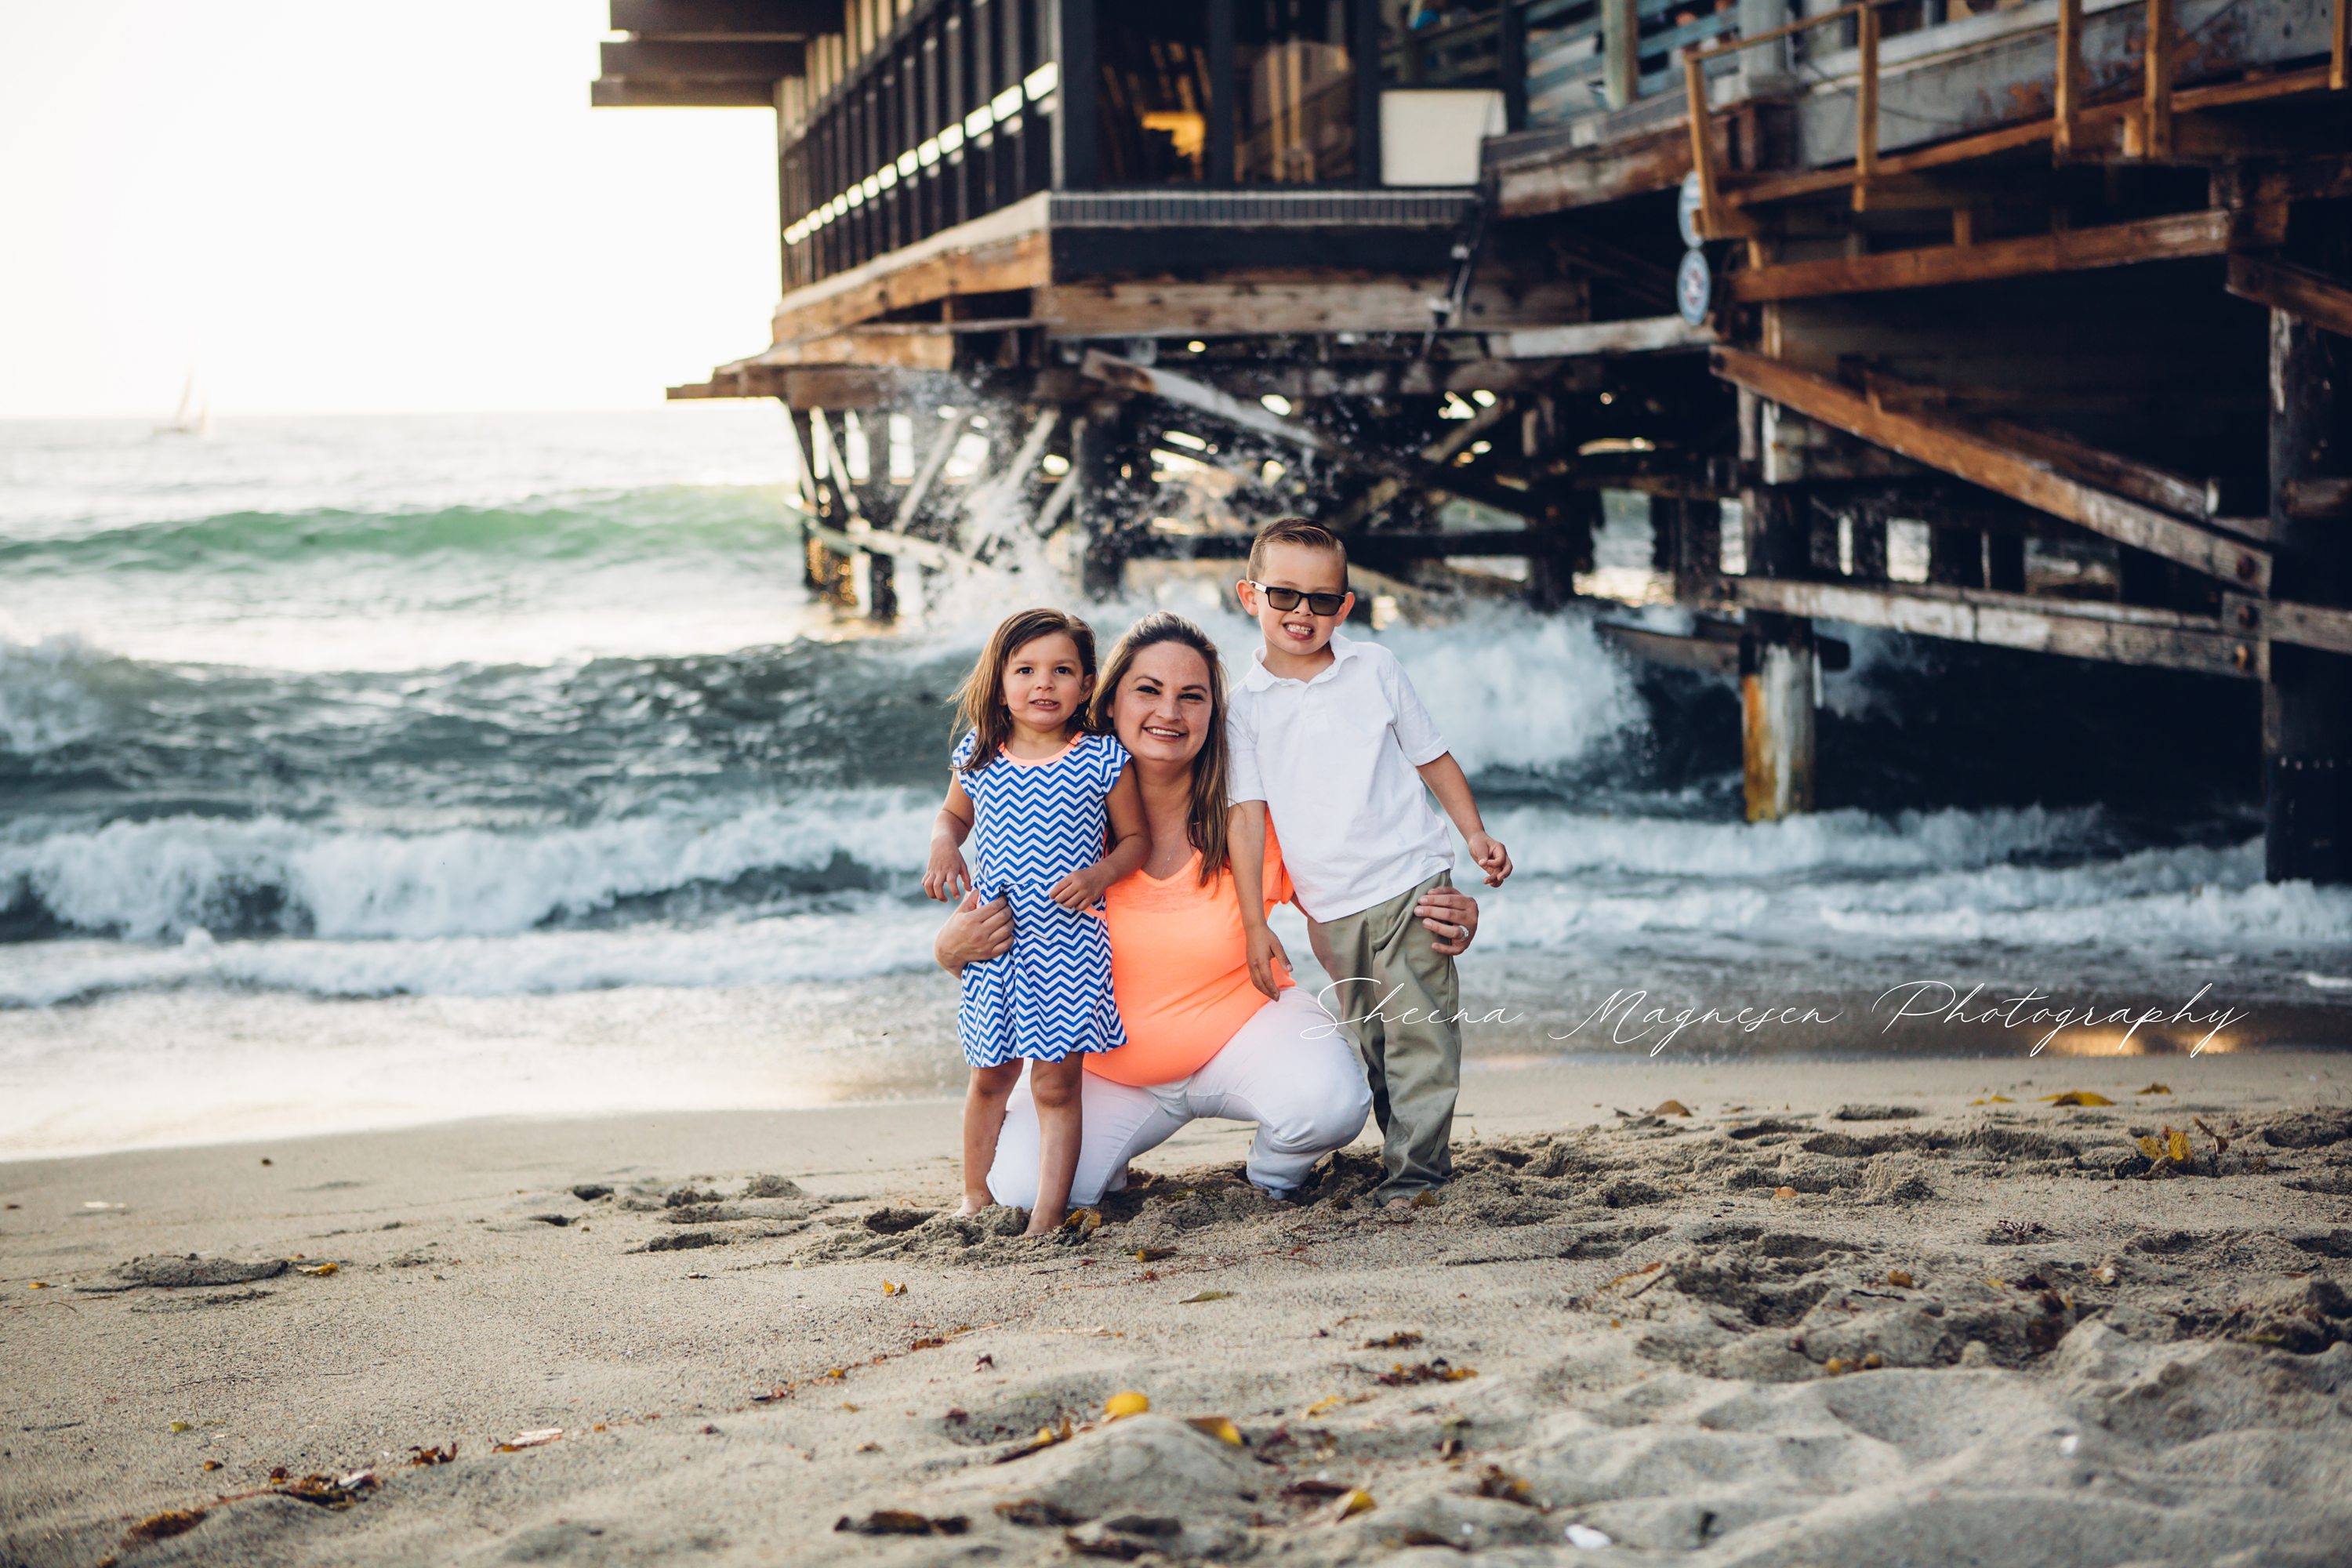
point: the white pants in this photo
(1288, 1069)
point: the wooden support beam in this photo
(1776, 671)
(2282, 286)
(1865, 105)
(1621, 44)
(910, 505)
(2321, 627)
(2142, 482)
(2078, 629)
(725, 18)
(1587, 176)
(606, 93)
(1702, 142)
(2209, 233)
(1258, 301)
(2339, 47)
(699, 59)
(927, 351)
(1706, 655)
(1940, 443)
(2066, 127)
(1183, 389)
(2307, 696)
(2156, 88)
(1642, 334)
(1433, 458)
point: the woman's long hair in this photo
(1206, 814)
(980, 700)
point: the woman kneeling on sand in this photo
(1203, 1040)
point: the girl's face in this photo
(1045, 687)
(1162, 711)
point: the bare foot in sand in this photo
(973, 1206)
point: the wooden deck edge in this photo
(999, 251)
(2012, 620)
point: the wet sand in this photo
(1842, 1313)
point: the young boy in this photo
(1327, 736)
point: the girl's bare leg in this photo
(1055, 1086)
(983, 1118)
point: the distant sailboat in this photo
(195, 414)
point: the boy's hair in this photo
(1206, 809)
(1295, 531)
(980, 700)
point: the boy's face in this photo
(1298, 632)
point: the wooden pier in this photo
(2022, 325)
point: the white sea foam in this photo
(158, 877)
(1560, 843)
(873, 934)
(2182, 902)
(45, 698)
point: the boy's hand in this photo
(1080, 891)
(1264, 953)
(946, 878)
(1491, 856)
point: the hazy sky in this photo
(355, 205)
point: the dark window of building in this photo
(1294, 93)
(1154, 99)
(1445, 42)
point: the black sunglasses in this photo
(1287, 599)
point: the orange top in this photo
(1180, 969)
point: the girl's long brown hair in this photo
(980, 700)
(1206, 813)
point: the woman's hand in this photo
(975, 932)
(1450, 914)
(945, 876)
(1264, 953)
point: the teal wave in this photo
(621, 526)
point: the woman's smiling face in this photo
(1162, 711)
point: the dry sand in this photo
(1839, 1315)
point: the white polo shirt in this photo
(1334, 759)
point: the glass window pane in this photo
(1294, 93)
(1154, 96)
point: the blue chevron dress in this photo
(1033, 824)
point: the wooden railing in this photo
(2147, 124)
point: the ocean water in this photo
(355, 772)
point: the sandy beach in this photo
(1843, 1312)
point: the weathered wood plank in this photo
(1641, 336)
(701, 60)
(2322, 301)
(1004, 250)
(608, 93)
(2067, 250)
(2139, 481)
(897, 351)
(1251, 303)
(2006, 620)
(1589, 176)
(1191, 394)
(1708, 656)
(1982, 461)
(722, 18)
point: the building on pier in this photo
(2019, 325)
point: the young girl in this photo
(1033, 788)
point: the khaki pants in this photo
(1389, 988)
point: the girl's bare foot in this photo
(973, 1205)
(1042, 1223)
